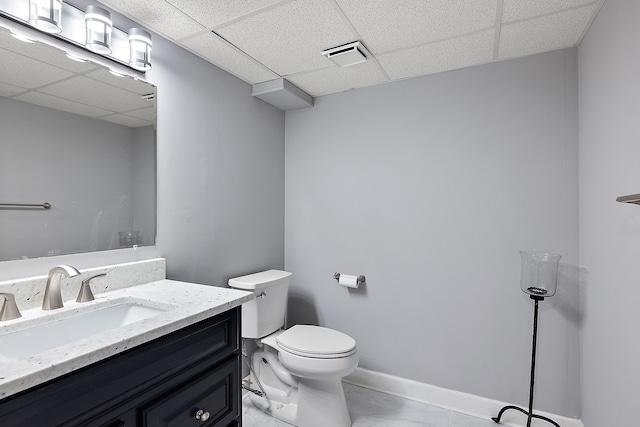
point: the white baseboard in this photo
(457, 401)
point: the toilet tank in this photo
(264, 314)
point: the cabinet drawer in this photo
(207, 400)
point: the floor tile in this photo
(370, 408)
(254, 417)
(461, 420)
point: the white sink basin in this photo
(39, 338)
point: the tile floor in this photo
(369, 408)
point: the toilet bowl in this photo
(315, 352)
(299, 369)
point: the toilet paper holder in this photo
(360, 279)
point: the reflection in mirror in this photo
(81, 139)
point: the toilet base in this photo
(313, 403)
(322, 403)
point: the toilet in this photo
(299, 369)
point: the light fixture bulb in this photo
(99, 27)
(46, 15)
(139, 49)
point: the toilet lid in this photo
(316, 341)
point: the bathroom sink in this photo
(56, 333)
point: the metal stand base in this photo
(530, 415)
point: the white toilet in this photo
(299, 369)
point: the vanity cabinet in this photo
(190, 377)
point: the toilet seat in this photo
(316, 342)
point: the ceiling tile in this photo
(461, 52)
(125, 120)
(289, 39)
(550, 32)
(22, 71)
(158, 15)
(215, 12)
(389, 24)
(514, 10)
(49, 101)
(92, 92)
(9, 90)
(128, 83)
(148, 114)
(43, 53)
(214, 49)
(338, 79)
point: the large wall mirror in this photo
(80, 139)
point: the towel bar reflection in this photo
(44, 205)
(633, 198)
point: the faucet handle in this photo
(9, 308)
(85, 293)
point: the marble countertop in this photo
(186, 304)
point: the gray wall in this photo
(84, 167)
(610, 231)
(144, 184)
(220, 171)
(430, 187)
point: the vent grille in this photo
(348, 54)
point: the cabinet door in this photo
(207, 400)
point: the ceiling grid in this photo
(265, 40)
(409, 38)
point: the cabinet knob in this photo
(202, 415)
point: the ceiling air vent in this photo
(347, 54)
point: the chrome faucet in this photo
(52, 295)
(9, 308)
(85, 293)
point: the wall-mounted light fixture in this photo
(46, 15)
(99, 27)
(82, 30)
(140, 49)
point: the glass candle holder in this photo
(539, 273)
(128, 238)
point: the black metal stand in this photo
(530, 415)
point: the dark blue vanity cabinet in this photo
(190, 377)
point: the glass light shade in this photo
(99, 27)
(539, 273)
(46, 15)
(139, 49)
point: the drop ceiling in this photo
(40, 74)
(264, 40)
